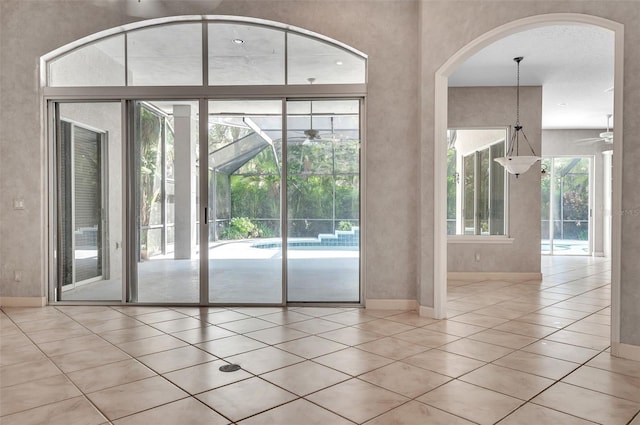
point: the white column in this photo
(185, 183)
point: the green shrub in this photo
(345, 225)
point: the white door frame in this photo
(440, 132)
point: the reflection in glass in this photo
(245, 55)
(89, 208)
(324, 63)
(96, 64)
(168, 55)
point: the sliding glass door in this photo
(88, 242)
(323, 201)
(244, 176)
(566, 206)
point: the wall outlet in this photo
(477, 257)
(17, 275)
(18, 204)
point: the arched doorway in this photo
(440, 131)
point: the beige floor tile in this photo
(479, 320)
(285, 317)
(384, 327)
(504, 339)
(247, 325)
(573, 304)
(412, 318)
(426, 337)
(160, 316)
(130, 334)
(305, 378)
(353, 361)
(351, 336)
(616, 364)
(202, 334)
(232, 400)
(24, 353)
(445, 363)
(499, 311)
(611, 383)
(545, 320)
(134, 397)
(402, 378)
(230, 346)
(151, 345)
(561, 351)
(507, 381)
(416, 413)
(123, 322)
(315, 326)
(178, 325)
(47, 324)
(476, 349)
(580, 339)
(276, 335)
(536, 364)
(72, 345)
(562, 312)
(74, 411)
(111, 375)
(18, 398)
(471, 402)
(86, 359)
(132, 310)
(264, 360)
(20, 373)
(177, 358)
(58, 334)
(258, 311)
(526, 329)
(455, 328)
(188, 411)
(599, 319)
(603, 331)
(297, 412)
(94, 315)
(392, 348)
(323, 311)
(357, 400)
(587, 404)
(225, 317)
(531, 414)
(636, 420)
(311, 346)
(205, 377)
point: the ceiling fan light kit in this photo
(513, 162)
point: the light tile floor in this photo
(510, 353)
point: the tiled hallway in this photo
(510, 353)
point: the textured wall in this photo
(477, 107)
(29, 29)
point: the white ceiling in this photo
(572, 63)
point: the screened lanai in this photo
(186, 210)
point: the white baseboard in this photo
(598, 254)
(391, 304)
(23, 301)
(494, 276)
(425, 311)
(626, 351)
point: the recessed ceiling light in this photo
(609, 90)
(562, 104)
(238, 41)
(339, 62)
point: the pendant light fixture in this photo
(513, 162)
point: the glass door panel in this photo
(545, 203)
(165, 188)
(89, 213)
(244, 180)
(323, 201)
(568, 206)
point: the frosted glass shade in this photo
(517, 164)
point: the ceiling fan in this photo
(606, 136)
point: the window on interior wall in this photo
(476, 184)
